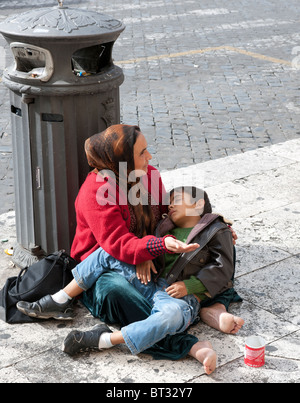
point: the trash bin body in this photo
(64, 88)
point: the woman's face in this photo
(141, 155)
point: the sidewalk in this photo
(258, 189)
(211, 84)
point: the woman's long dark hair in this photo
(105, 151)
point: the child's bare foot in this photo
(204, 353)
(229, 323)
(217, 317)
(210, 361)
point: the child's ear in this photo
(200, 206)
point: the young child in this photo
(181, 281)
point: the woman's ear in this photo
(200, 206)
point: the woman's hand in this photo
(175, 246)
(177, 290)
(143, 271)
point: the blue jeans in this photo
(168, 316)
(89, 270)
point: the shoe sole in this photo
(50, 315)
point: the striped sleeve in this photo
(156, 246)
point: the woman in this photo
(109, 215)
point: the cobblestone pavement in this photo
(211, 80)
(203, 81)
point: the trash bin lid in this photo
(61, 22)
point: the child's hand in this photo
(143, 271)
(176, 246)
(234, 235)
(177, 290)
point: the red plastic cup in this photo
(255, 348)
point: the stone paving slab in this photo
(277, 293)
(277, 228)
(267, 278)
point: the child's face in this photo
(183, 210)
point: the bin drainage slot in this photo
(52, 117)
(92, 60)
(16, 111)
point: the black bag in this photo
(47, 276)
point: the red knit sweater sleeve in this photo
(108, 226)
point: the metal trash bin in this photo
(64, 87)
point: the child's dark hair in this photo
(196, 194)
